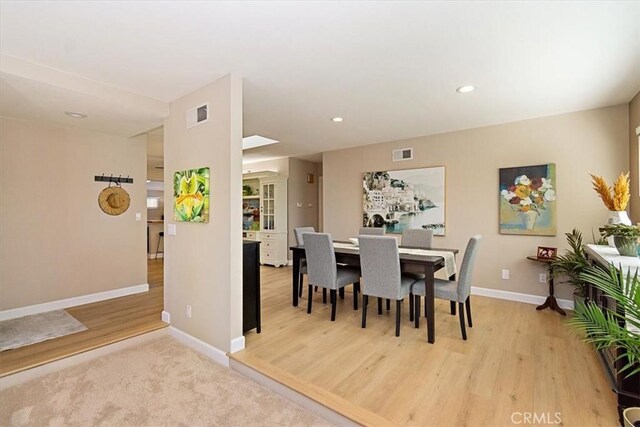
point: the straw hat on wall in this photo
(114, 201)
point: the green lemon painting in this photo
(191, 195)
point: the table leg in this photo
(551, 301)
(296, 276)
(430, 303)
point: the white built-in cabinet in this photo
(272, 229)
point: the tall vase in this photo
(529, 219)
(617, 217)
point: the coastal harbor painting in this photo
(401, 199)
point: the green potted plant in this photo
(571, 264)
(625, 238)
(608, 328)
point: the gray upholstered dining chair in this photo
(417, 238)
(453, 290)
(325, 273)
(371, 231)
(299, 231)
(381, 275)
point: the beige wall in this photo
(593, 141)
(56, 243)
(281, 166)
(203, 262)
(634, 122)
(300, 191)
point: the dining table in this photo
(418, 260)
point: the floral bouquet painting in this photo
(528, 200)
(191, 195)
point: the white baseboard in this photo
(72, 302)
(237, 344)
(200, 346)
(166, 317)
(290, 263)
(153, 256)
(515, 296)
(57, 365)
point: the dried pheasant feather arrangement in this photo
(616, 198)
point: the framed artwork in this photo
(527, 197)
(191, 195)
(546, 253)
(410, 198)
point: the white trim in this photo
(166, 317)
(200, 346)
(237, 344)
(515, 296)
(72, 302)
(153, 256)
(76, 359)
(638, 131)
(290, 263)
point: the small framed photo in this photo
(546, 253)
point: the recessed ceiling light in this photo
(337, 119)
(465, 89)
(75, 115)
(148, 181)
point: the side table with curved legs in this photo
(551, 301)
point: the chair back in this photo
(417, 238)
(321, 260)
(301, 230)
(380, 266)
(466, 268)
(371, 231)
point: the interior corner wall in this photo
(53, 235)
(634, 158)
(593, 141)
(203, 261)
(300, 192)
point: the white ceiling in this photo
(390, 69)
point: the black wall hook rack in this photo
(114, 179)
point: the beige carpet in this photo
(160, 383)
(16, 333)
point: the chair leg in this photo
(301, 285)
(310, 299)
(388, 304)
(324, 295)
(398, 310)
(468, 304)
(379, 306)
(462, 328)
(356, 288)
(410, 307)
(365, 303)
(453, 308)
(416, 316)
(334, 297)
(341, 293)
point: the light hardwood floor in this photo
(516, 360)
(107, 322)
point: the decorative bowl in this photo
(354, 240)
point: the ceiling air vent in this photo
(198, 115)
(402, 154)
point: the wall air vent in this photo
(402, 154)
(198, 115)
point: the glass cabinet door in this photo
(268, 206)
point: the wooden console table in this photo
(551, 301)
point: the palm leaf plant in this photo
(572, 263)
(607, 328)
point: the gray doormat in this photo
(16, 333)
